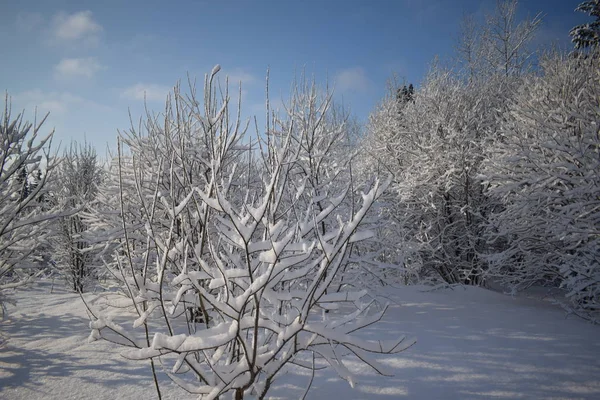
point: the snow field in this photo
(472, 344)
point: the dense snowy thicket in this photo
(495, 165)
(434, 145)
(229, 253)
(546, 173)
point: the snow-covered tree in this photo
(226, 263)
(469, 48)
(506, 40)
(546, 172)
(25, 165)
(75, 186)
(501, 45)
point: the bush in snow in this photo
(225, 252)
(546, 173)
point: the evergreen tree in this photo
(23, 185)
(405, 94)
(587, 35)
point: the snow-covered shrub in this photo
(546, 172)
(25, 165)
(325, 135)
(226, 251)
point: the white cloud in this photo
(27, 22)
(75, 27)
(149, 91)
(43, 102)
(77, 67)
(352, 80)
(57, 103)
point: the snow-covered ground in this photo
(472, 343)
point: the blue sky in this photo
(88, 62)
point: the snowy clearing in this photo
(472, 343)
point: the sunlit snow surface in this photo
(472, 343)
